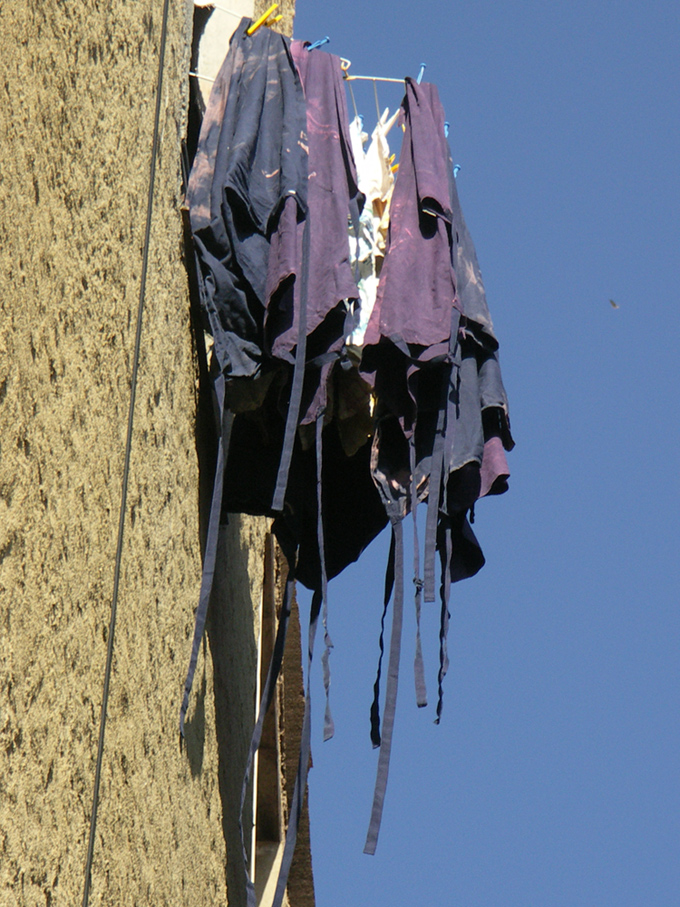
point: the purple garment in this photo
(430, 351)
(495, 470)
(332, 186)
(469, 284)
(417, 284)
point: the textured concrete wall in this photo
(76, 123)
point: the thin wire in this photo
(197, 75)
(126, 470)
(223, 9)
(377, 105)
(354, 103)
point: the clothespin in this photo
(456, 170)
(446, 129)
(319, 43)
(421, 73)
(264, 20)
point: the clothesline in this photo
(197, 75)
(372, 79)
(344, 62)
(229, 12)
(222, 9)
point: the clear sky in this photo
(553, 780)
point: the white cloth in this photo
(376, 182)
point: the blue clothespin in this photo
(421, 73)
(319, 43)
(456, 170)
(446, 128)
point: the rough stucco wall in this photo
(76, 123)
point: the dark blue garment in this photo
(251, 157)
(251, 196)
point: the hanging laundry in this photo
(430, 355)
(355, 365)
(247, 215)
(271, 189)
(330, 390)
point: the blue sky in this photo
(553, 779)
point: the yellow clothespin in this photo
(263, 20)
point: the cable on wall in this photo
(126, 469)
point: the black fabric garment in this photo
(351, 505)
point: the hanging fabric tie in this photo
(390, 693)
(418, 666)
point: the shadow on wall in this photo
(231, 625)
(194, 726)
(234, 657)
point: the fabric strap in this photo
(437, 480)
(390, 694)
(434, 496)
(328, 725)
(446, 552)
(319, 600)
(418, 667)
(298, 376)
(295, 806)
(375, 706)
(225, 419)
